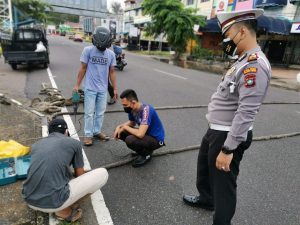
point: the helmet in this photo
(101, 38)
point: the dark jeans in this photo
(110, 89)
(217, 186)
(142, 146)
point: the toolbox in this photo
(12, 169)
(22, 165)
(7, 171)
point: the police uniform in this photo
(231, 114)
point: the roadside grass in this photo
(157, 53)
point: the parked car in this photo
(26, 46)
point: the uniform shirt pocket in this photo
(223, 89)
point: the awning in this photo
(274, 26)
(294, 1)
(211, 26)
(267, 24)
(269, 3)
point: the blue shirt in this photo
(98, 64)
(148, 116)
(117, 50)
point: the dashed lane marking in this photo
(170, 74)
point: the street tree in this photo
(116, 8)
(173, 20)
(36, 9)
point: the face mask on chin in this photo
(229, 47)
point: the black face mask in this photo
(127, 109)
(229, 47)
(101, 49)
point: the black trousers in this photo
(218, 186)
(142, 146)
(110, 89)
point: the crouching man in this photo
(49, 186)
(149, 134)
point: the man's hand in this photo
(121, 129)
(223, 161)
(117, 132)
(116, 95)
(76, 88)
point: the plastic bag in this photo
(40, 47)
(11, 148)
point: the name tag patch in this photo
(250, 80)
(250, 70)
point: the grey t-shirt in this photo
(49, 172)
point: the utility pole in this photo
(6, 14)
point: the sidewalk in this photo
(285, 78)
(281, 77)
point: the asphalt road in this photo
(269, 180)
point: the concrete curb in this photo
(275, 82)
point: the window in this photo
(28, 35)
(190, 2)
(204, 0)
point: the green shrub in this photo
(202, 53)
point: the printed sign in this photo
(295, 28)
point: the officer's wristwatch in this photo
(226, 150)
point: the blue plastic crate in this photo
(22, 165)
(7, 171)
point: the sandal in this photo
(102, 137)
(75, 215)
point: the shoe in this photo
(196, 201)
(75, 215)
(88, 141)
(141, 160)
(111, 101)
(102, 137)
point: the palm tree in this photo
(116, 8)
(118, 13)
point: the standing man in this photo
(231, 115)
(97, 64)
(148, 136)
(49, 186)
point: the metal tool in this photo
(75, 102)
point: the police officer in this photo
(231, 115)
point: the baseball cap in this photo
(57, 125)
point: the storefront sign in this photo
(295, 28)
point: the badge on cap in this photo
(249, 80)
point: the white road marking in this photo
(98, 203)
(16, 102)
(170, 74)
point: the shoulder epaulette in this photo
(252, 57)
